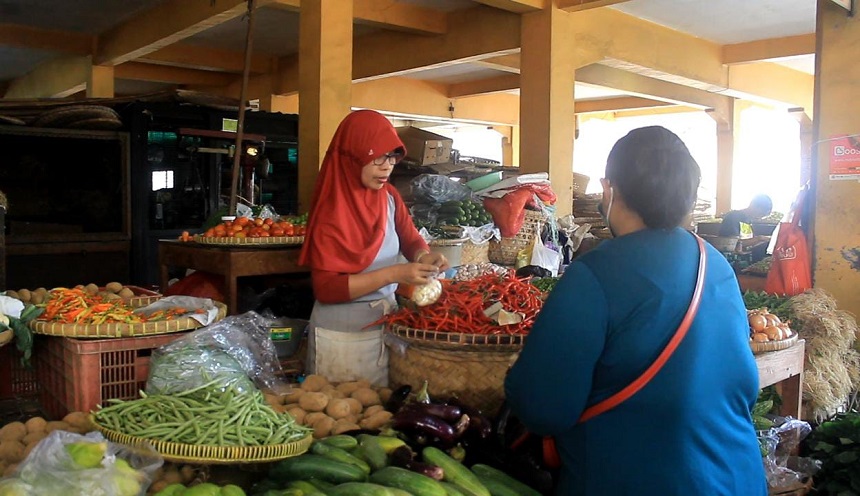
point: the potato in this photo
(373, 410)
(29, 448)
(376, 421)
(78, 419)
(312, 417)
(91, 288)
(12, 451)
(279, 408)
(12, 294)
(343, 425)
(352, 419)
(112, 296)
(314, 383)
(335, 394)
(290, 406)
(313, 402)
(338, 409)
(33, 438)
(126, 293)
(24, 295)
(363, 383)
(293, 395)
(366, 396)
(188, 473)
(384, 394)
(41, 290)
(327, 388)
(273, 399)
(113, 287)
(157, 486)
(355, 406)
(322, 427)
(172, 476)
(56, 426)
(10, 470)
(298, 414)
(348, 387)
(35, 424)
(36, 298)
(14, 431)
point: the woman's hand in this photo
(435, 259)
(413, 273)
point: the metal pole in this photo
(243, 95)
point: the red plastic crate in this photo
(78, 374)
(16, 381)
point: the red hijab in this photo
(347, 220)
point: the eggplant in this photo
(479, 424)
(461, 426)
(397, 398)
(404, 457)
(429, 425)
(448, 413)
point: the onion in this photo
(772, 319)
(757, 322)
(760, 337)
(773, 333)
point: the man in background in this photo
(760, 206)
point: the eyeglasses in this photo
(391, 158)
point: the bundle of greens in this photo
(837, 444)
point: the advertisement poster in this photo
(845, 157)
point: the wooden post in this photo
(243, 95)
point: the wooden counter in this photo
(232, 262)
(785, 369)
(749, 282)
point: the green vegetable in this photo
(371, 451)
(341, 441)
(777, 305)
(545, 284)
(340, 455)
(232, 490)
(488, 472)
(304, 486)
(365, 489)
(316, 467)
(837, 444)
(417, 484)
(205, 489)
(171, 490)
(451, 489)
(497, 487)
(455, 472)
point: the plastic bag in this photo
(545, 257)
(69, 463)
(235, 352)
(434, 188)
(777, 445)
(200, 284)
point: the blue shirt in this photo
(688, 431)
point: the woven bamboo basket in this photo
(475, 254)
(505, 252)
(471, 367)
(251, 242)
(120, 330)
(773, 345)
(189, 453)
(580, 184)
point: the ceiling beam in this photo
(56, 78)
(46, 39)
(207, 59)
(769, 49)
(577, 5)
(516, 6)
(499, 84)
(505, 63)
(168, 23)
(137, 71)
(617, 104)
(387, 14)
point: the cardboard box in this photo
(424, 147)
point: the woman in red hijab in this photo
(358, 229)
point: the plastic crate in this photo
(16, 381)
(78, 374)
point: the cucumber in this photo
(455, 472)
(304, 486)
(452, 203)
(365, 489)
(390, 443)
(452, 211)
(371, 451)
(451, 489)
(400, 478)
(321, 485)
(339, 455)
(316, 467)
(497, 487)
(487, 472)
(341, 441)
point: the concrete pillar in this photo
(100, 83)
(727, 125)
(325, 83)
(546, 100)
(836, 252)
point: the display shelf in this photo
(784, 368)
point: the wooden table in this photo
(749, 282)
(785, 369)
(232, 262)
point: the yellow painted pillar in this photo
(836, 252)
(728, 124)
(325, 83)
(507, 146)
(285, 104)
(515, 147)
(100, 83)
(546, 100)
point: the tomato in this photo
(300, 231)
(210, 232)
(266, 227)
(276, 231)
(265, 234)
(240, 234)
(259, 221)
(290, 231)
(242, 221)
(269, 221)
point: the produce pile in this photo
(18, 439)
(766, 327)
(203, 416)
(80, 306)
(257, 227)
(461, 308)
(836, 443)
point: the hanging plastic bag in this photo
(435, 188)
(790, 272)
(544, 257)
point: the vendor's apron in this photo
(339, 346)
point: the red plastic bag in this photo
(199, 284)
(509, 211)
(790, 272)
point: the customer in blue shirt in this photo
(688, 431)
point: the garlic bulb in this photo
(427, 294)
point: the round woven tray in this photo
(6, 337)
(447, 242)
(457, 340)
(270, 241)
(63, 116)
(189, 453)
(773, 345)
(119, 330)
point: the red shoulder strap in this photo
(622, 396)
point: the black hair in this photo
(762, 203)
(654, 172)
